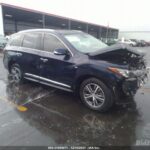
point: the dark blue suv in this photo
(76, 62)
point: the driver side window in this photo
(51, 43)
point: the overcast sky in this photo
(127, 15)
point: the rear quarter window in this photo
(16, 40)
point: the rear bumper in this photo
(132, 84)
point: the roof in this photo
(50, 30)
(62, 17)
(34, 30)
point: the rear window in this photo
(32, 40)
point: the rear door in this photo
(31, 47)
(56, 69)
(13, 53)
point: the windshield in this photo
(85, 43)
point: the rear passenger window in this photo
(32, 40)
(51, 43)
(16, 40)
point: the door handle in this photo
(44, 59)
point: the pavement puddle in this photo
(38, 96)
(19, 107)
(50, 110)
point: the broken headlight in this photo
(122, 72)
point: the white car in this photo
(129, 42)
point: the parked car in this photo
(76, 62)
(142, 43)
(128, 42)
(3, 42)
(147, 43)
(136, 41)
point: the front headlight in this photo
(118, 71)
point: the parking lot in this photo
(37, 115)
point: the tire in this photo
(16, 74)
(102, 100)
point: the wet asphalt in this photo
(37, 115)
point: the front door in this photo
(57, 70)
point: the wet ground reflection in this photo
(36, 115)
(60, 115)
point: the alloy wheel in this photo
(16, 74)
(93, 95)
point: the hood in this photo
(121, 55)
(116, 47)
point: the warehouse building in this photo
(15, 18)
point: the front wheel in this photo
(96, 95)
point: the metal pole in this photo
(69, 24)
(99, 33)
(87, 28)
(43, 20)
(16, 30)
(107, 32)
(107, 35)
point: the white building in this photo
(14, 18)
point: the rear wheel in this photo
(16, 73)
(96, 95)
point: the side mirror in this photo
(61, 51)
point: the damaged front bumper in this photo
(135, 80)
